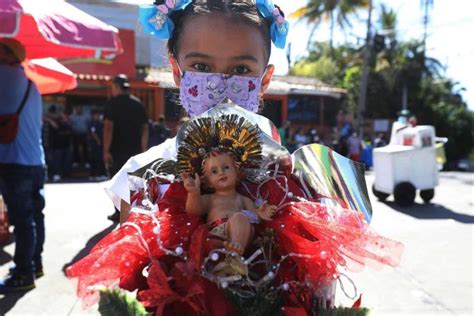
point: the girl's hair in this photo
(244, 11)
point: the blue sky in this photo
(450, 28)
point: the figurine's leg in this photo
(240, 231)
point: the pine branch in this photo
(118, 302)
(345, 311)
(265, 302)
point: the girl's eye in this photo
(214, 171)
(226, 167)
(241, 70)
(201, 67)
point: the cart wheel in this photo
(427, 195)
(404, 193)
(380, 195)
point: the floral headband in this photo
(156, 20)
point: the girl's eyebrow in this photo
(196, 54)
(246, 58)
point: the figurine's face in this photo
(221, 172)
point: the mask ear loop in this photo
(173, 60)
(261, 101)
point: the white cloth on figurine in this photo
(118, 187)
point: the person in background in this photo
(60, 138)
(125, 129)
(313, 137)
(380, 141)
(79, 121)
(403, 116)
(96, 128)
(22, 167)
(163, 132)
(158, 132)
(412, 121)
(367, 156)
(45, 130)
(354, 144)
(300, 138)
(152, 133)
(284, 131)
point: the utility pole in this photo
(427, 4)
(288, 56)
(405, 97)
(365, 75)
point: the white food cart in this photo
(407, 164)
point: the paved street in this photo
(435, 277)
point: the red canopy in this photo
(57, 29)
(49, 75)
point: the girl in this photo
(220, 50)
(216, 36)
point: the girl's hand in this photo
(192, 185)
(266, 211)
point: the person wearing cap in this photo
(22, 172)
(125, 128)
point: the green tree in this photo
(334, 11)
(388, 23)
(323, 68)
(432, 97)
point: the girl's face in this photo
(214, 43)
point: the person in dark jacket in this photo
(125, 128)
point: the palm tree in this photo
(388, 23)
(388, 18)
(335, 11)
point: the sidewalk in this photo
(75, 218)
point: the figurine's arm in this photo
(196, 204)
(265, 211)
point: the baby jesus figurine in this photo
(229, 213)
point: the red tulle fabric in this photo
(319, 239)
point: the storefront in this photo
(303, 101)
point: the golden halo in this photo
(229, 133)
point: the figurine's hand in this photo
(266, 211)
(191, 184)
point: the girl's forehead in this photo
(221, 37)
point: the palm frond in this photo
(300, 13)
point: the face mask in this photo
(201, 91)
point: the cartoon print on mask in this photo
(216, 85)
(201, 91)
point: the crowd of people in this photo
(73, 142)
(343, 139)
